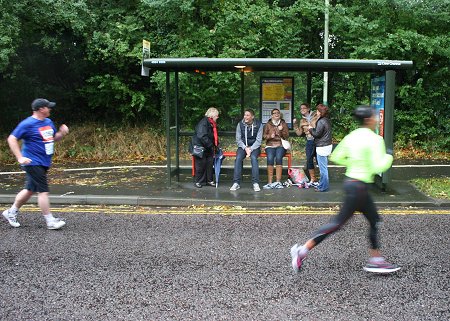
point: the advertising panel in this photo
(378, 85)
(277, 92)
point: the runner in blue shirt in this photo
(38, 134)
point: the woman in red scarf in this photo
(206, 136)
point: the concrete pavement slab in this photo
(147, 186)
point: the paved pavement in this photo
(147, 186)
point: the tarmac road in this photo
(109, 266)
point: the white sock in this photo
(13, 209)
(302, 250)
(49, 217)
(376, 259)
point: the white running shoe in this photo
(235, 187)
(256, 187)
(55, 224)
(11, 217)
(277, 185)
(297, 258)
(314, 184)
(381, 267)
(268, 186)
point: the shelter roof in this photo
(274, 64)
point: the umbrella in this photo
(218, 159)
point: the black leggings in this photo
(357, 198)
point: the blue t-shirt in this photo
(38, 140)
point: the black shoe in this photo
(198, 185)
(211, 184)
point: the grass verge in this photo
(434, 187)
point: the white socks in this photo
(49, 217)
(302, 250)
(376, 259)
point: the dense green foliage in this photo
(86, 55)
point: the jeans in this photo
(324, 182)
(310, 153)
(240, 156)
(275, 155)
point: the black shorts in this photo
(36, 178)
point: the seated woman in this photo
(274, 130)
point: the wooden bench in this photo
(233, 154)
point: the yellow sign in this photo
(277, 92)
(145, 49)
(273, 92)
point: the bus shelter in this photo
(387, 68)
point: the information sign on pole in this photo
(277, 92)
(145, 55)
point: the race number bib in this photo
(47, 137)
(49, 147)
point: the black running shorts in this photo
(36, 180)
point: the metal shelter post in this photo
(169, 176)
(242, 91)
(389, 101)
(308, 87)
(177, 128)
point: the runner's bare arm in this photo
(13, 143)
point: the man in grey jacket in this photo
(248, 138)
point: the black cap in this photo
(362, 112)
(42, 102)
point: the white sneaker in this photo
(268, 186)
(256, 187)
(297, 255)
(12, 218)
(235, 187)
(55, 224)
(277, 185)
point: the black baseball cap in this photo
(42, 102)
(362, 112)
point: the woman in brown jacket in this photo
(274, 130)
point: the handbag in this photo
(286, 144)
(198, 151)
(297, 176)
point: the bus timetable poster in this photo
(277, 92)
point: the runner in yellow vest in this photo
(364, 154)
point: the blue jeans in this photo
(310, 153)
(240, 156)
(275, 155)
(324, 182)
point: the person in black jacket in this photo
(323, 140)
(206, 136)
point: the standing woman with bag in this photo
(275, 130)
(322, 138)
(205, 136)
(309, 118)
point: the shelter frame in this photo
(176, 65)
